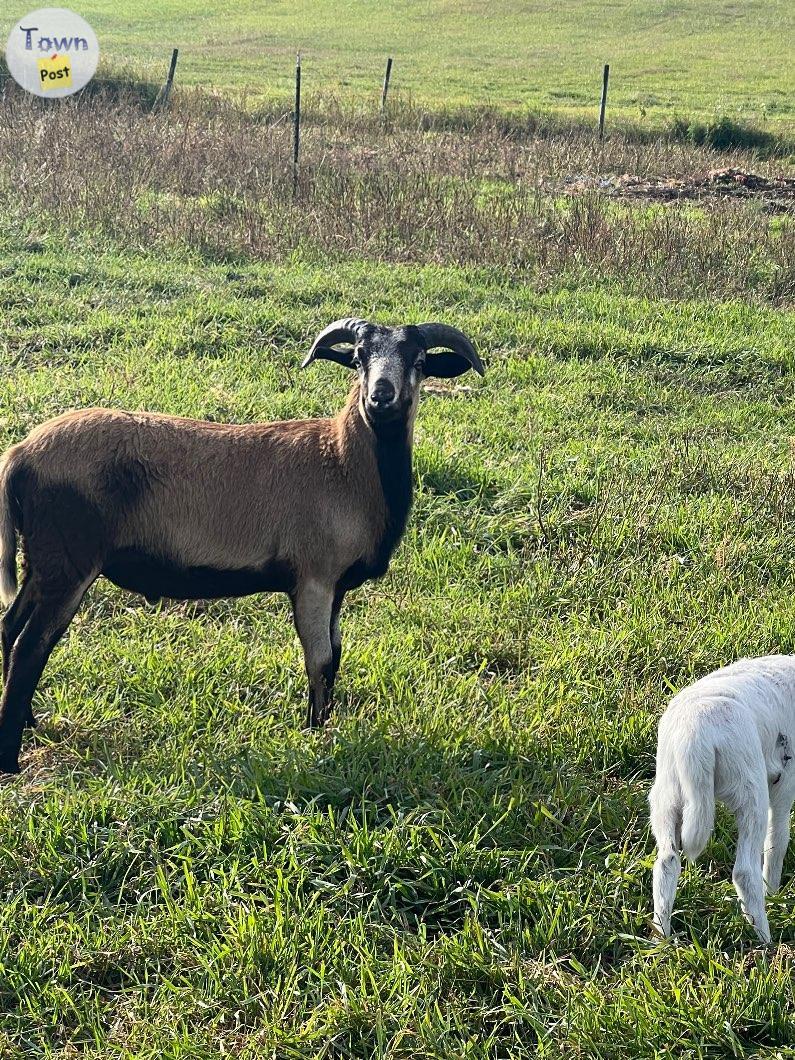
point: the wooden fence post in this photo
(297, 123)
(165, 91)
(386, 82)
(603, 104)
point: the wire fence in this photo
(151, 88)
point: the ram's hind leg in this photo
(49, 617)
(14, 621)
(313, 605)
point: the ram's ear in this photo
(344, 332)
(445, 365)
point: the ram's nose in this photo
(382, 395)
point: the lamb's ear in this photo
(344, 332)
(459, 355)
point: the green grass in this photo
(460, 866)
(690, 56)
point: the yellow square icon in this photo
(55, 72)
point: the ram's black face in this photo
(390, 363)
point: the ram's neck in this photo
(391, 447)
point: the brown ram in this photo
(180, 508)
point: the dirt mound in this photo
(776, 193)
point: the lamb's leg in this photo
(665, 819)
(49, 619)
(313, 604)
(777, 841)
(747, 874)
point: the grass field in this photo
(460, 866)
(689, 57)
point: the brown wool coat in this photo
(303, 494)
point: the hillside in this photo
(690, 56)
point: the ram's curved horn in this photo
(462, 354)
(347, 330)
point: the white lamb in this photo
(729, 736)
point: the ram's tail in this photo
(8, 541)
(697, 780)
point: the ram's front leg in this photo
(313, 604)
(336, 638)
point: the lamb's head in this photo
(392, 362)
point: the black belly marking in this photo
(155, 577)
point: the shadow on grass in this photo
(453, 479)
(376, 772)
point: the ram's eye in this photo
(419, 364)
(356, 363)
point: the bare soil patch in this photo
(776, 193)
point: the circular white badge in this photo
(52, 52)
